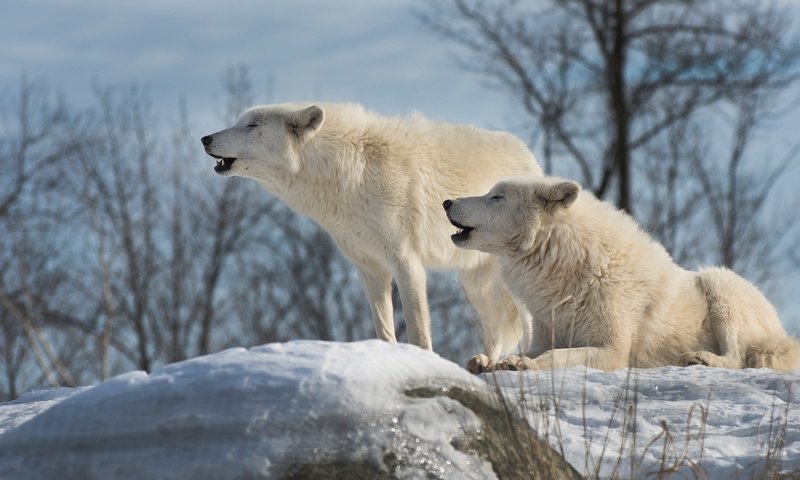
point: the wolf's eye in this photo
(498, 197)
(252, 125)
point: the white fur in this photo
(604, 294)
(376, 184)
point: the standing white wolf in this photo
(603, 293)
(376, 185)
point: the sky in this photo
(373, 52)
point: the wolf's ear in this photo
(562, 194)
(307, 122)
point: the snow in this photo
(260, 413)
(724, 421)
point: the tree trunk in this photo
(619, 108)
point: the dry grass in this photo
(676, 457)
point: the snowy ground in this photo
(259, 413)
(726, 423)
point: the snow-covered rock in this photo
(268, 412)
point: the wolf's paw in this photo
(479, 364)
(695, 358)
(514, 363)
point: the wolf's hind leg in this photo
(411, 282)
(377, 284)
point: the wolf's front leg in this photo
(377, 284)
(411, 282)
(503, 321)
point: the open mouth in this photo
(463, 232)
(223, 163)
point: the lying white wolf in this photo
(376, 185)
(603, 293)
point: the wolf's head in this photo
(265, 139)
(509, 216)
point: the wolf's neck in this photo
(558, 253)
(330, 169)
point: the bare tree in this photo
(747, 237)
(601, 80)
(673, 200)
(236, 208)
(30, 150)
(162, 250)
(117, 186)
(32, 153)
(307, 288)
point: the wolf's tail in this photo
(782, 353)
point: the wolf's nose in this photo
(447, 204)
(207, 140)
